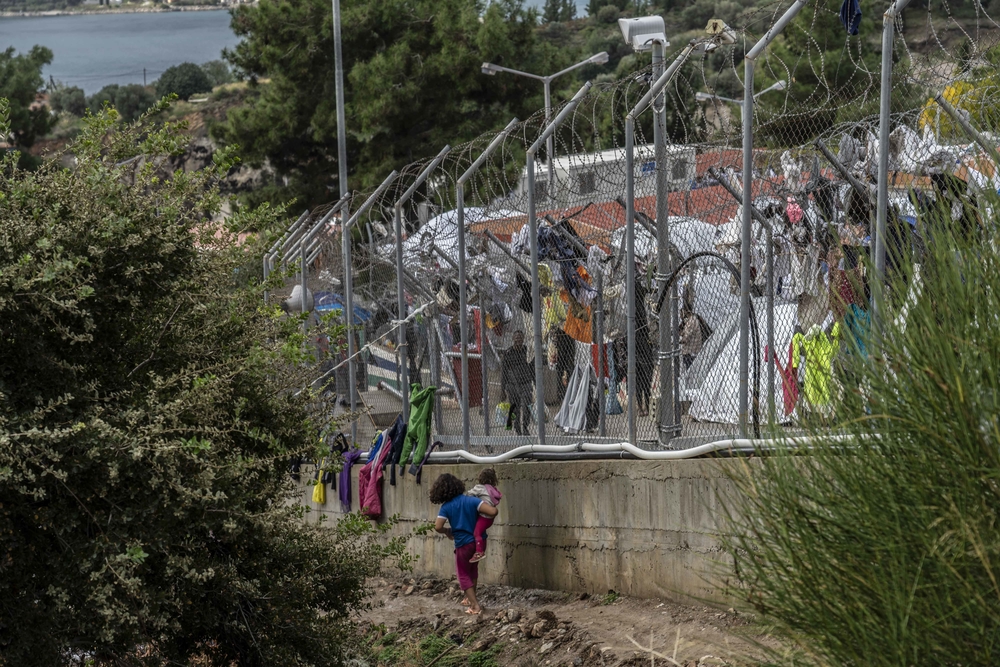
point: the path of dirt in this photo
(535, 627)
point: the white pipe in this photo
(734, 444)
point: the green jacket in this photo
(418, 433)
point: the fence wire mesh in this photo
(815, 170)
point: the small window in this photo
(679, 171)
(541, 189)
(586, 182)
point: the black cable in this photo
(754, 330)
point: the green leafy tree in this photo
(69, 99)
(413, 83)
(218, 72)
(183, 80)
(558, 11)
(130, 100)
(20, 81)
(147, 414)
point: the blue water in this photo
(93, 51)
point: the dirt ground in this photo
(421, 622)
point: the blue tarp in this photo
(327, 301)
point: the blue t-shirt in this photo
(462, 512)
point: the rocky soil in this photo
(421, 621)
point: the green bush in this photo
(880, 547)
(69, 99)
(130, 100)
(184, 80)
(218, 73)
(148, 410)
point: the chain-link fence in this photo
(512, 281)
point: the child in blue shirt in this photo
(461, 513)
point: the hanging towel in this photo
(850, 16)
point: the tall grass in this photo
(884, 548)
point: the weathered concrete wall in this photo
(642, 528)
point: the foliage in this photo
(401, 651)
(183, 80)
(130, 100)
(413, 83)
(559, 11)
(218, 73)
(147, 414)
(69, 99)
(881, 547)
(20, 81)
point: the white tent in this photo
(688, 235)
(442, 231)
(712, 382)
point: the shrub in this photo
(130, 100)
(69, 99)
(184, 80)
(218, 73)
(882, 548)
(147, 414)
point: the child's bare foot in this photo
(465, 602)
(474, 611)
(476, 557)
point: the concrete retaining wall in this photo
(642, 528)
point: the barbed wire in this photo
(814, 173)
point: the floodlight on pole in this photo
(491, 69)
(643, 32)
(709, 97)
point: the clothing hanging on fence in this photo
(419, 431)
(577, 324)
(850, 16)
(350, 458)
(397, 437)
(524, 300)
(858, 323)
(572, 415)
(820, 350)
(520, 242)
(789, 381)
(370, 478)
(798, 361)
(552, 245)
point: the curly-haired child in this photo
(461, 512)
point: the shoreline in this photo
(114, 10)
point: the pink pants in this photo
(468, 573)
(483, 524)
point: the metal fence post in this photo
(463, 299)
(402, 347)
(536, 298)
(654, 90)
(484, 368)
(751, 57)
(668, 408)
(349, 295)
(269, 255)
(884, 121)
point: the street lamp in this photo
(596, 59)
(708, 97)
